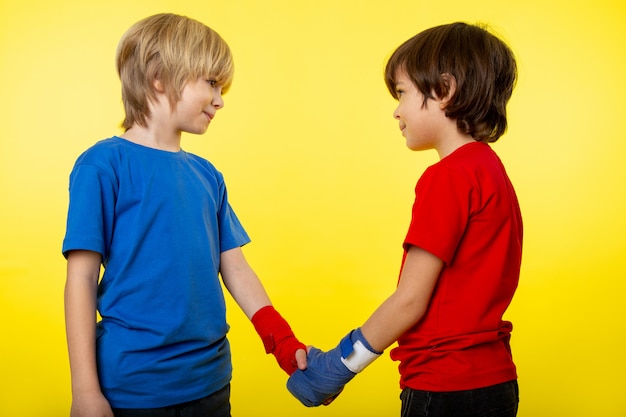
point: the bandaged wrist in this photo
(356, 352)
(278, 338)
(271, 327)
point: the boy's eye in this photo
(212, 83)
(399, 92)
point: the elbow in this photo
(416, 312)
(413, 308)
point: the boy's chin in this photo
(199, 131)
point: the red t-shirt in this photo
(466, 213)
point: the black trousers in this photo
(215, 405)
(499, 400)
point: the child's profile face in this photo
(418, 120)
(199, 101)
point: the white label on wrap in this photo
(359, 358)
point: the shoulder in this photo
(101, 160)
(102, 151)
(204, 166)
(469, 161)
(468, 155)
(462, 173)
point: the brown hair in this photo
(173, 49)
(482, 65)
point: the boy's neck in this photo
(450, 138)
(152, 137)
(448, 147)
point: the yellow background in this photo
(318, 172)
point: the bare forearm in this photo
(407, 305)
(242, 282)
(248, 291)
(391, 320)
(250, 295)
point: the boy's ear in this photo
(158, 85)
(449, 81)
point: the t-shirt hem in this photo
(470, 382)
(161, 400)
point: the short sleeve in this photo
(440, 212)
(90, 213)
(232, 233)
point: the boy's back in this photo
(465, 212)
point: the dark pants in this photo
(215, 405)
(496, 401)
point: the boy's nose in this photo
(218, 101)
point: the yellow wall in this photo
(319, 174)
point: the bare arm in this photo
(242, 282)
(83, 270)
(248, 291)
(407, 305)
(399, 312)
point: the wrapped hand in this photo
(328, 372)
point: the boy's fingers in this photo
(331, 399)
(301, 358)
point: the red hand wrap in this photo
(277, 337)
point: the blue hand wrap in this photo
(326, 372)
(347, 344)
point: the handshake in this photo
(328, 372)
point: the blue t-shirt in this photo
(160, 221)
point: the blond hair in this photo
(173, 49)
